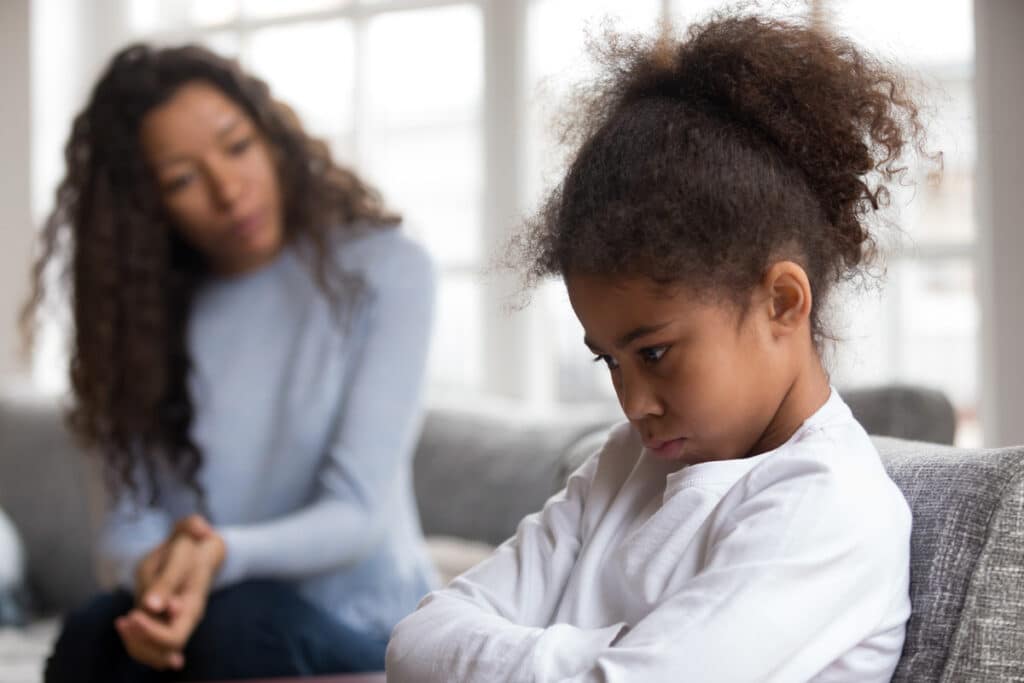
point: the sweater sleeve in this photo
(795, 576)
(490, 624)
(128, 530)
(373, 439)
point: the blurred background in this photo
(447, 106)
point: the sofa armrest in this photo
(967, 560)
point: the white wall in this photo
(999, 26)
(15, 196)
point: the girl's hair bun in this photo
(704, 159)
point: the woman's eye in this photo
(653, 354)
(177, 183)
(607, 360)
(239, 147)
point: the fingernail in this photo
(177, 661)
(153, 602)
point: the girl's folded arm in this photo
(801, 573)
(490, 623)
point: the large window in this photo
(447, 105)
(921, 325)
(397, 90)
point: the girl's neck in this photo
(807, 393)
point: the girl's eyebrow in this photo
(631, 336)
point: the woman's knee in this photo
(88, 641)
(248, 630)
(234, 610)
(264, 628)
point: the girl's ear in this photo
(790, 299)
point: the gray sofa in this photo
(479, 471)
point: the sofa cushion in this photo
(905, 412)
(478, 472)
(967, 560)
(13, 593)
(451, 556)
(43, 489)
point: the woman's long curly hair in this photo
(129, 276)
(701, 161)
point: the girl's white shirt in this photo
(792, 565)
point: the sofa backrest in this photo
(967, 561)
(496, 463)
(905, 412)
(43, 490)
(477, 473)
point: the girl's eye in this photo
(239, 147)
(652, 354)
(607, 360)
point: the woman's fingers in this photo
(195, 526)
(148, 568)
(153, 564)
(163, 634)
(180, 560)
(146, 644)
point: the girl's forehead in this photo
(636, 289)
(606, 306)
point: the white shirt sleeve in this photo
(375, 436)
(490, 624)
(797, 572)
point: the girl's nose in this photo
(638, 398)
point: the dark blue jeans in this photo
(256, 629)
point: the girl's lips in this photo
(666, 450)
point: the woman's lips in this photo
(247, 227)
(666, 450)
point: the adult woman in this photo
(249, 344)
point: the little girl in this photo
(740, 526)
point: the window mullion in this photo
(517, 362)
(360, 106)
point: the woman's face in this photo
(216, 177)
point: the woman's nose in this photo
(226, 185)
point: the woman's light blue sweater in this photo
(307, 426)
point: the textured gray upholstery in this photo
(42, 489)
(478, 473)
(967, 561)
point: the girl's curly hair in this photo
(130, 278)
(704, 160)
